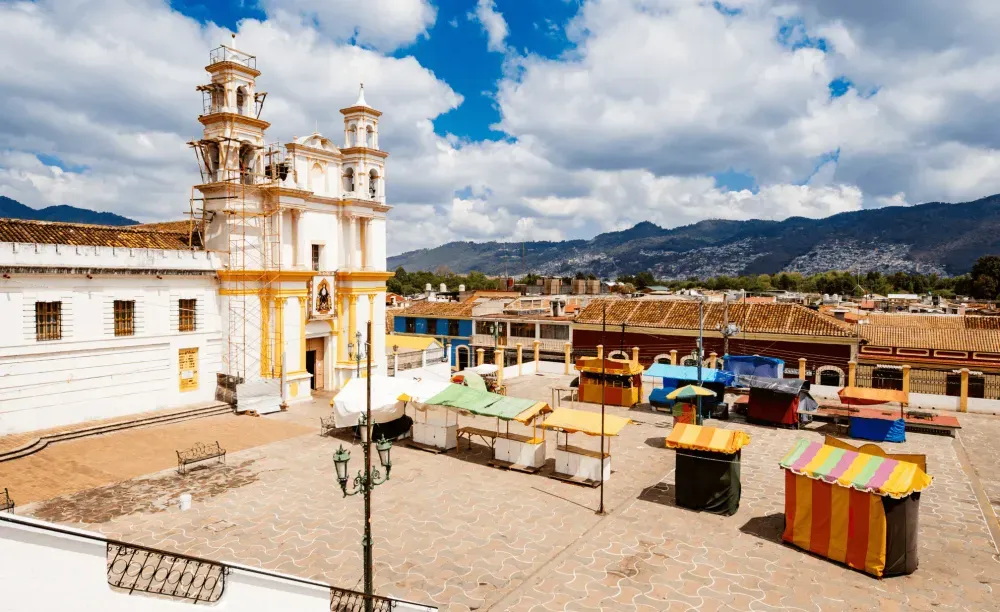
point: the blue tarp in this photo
(879, 430)
(753, 365)
(675, 372)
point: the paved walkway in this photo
(77, 465)
(452, 531)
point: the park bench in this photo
(327, 425)
(199, 452)
(6, 503)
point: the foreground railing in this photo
(34, 548)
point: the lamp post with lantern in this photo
(371, 477)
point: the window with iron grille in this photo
(124, 317)
(411, 325)
(186, 320)
(48, 320)
(432, 326)
(453, 327)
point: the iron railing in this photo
(146, 570)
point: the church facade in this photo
(261, 298)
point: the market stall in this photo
(707, 476)
(575, 463)
(434, 427)
(773, 400)
(675, 377)
(854, 508)
(387, 407)
(881, 424)
(685, 399)
(753, 365)
(620, 379)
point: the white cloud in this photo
(383, 24)
(492, 22)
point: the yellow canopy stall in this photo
(582, 465)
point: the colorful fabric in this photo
(528, 415)
(879, 475)
(690, 391)
(580, 421)
(711, 439)
(842, 524)
(676, 372)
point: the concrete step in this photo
(84, 431)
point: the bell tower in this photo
(233, 137)
(363, 160)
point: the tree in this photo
(644, 279)
(986, 272)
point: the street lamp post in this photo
(365, 481)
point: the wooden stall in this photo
(575, 463)
(621, 380)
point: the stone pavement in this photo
(450, 530)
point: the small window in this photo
(48, 320)
(186, 320)
(432, 326)
(887, 378)
(453, 327)
(411, 325)
(316, 251)
(522, 330)
(124, 317)
(830, 378)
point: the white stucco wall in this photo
(43, 571)
(90, 373)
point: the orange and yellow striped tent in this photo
(711, 439)
(833, 502)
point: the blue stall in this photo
(754, 365)
(675, 377)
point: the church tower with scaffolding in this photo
(299, 231)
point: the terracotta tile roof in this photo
(79, 234)
(182, 226)
(942, 332)
(439, 309)
(792, 319)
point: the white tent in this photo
(387, 406)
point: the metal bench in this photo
(6, 503)
(199, 452)
(327, 425)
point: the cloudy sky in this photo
(509, 119)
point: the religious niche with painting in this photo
(324, 298)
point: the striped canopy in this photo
(712, 439)
(877, 475)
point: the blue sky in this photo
(522, 119)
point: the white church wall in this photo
(90, 373)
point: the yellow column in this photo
(963, 399)
(352, 318)
(341, 343)
(600, 351)
(498, 359)
(519, 362)
(265, 336)
(480, 356)
(279, 334)
(371, 308)
(569, 349)
(635, 355)
(852, 373)
(906, 383)
(302, 333)
(537, 346)
(802, 368)
(673, 356)
(712, 357)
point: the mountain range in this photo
(69, 214)
(935, 237)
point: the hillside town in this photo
(246, 408)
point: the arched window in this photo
(241, 100)
(316, 182)
(352, 135)
(662, 358)
(349, 180)
(690, 361)
(373, 184)
(618, 355)
(831, 376)
(370, 138)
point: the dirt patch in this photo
(150, 494)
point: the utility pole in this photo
(368, 544)
(604, 391)
(701, 340)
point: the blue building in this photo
(449, 322)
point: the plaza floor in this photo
(452, 531)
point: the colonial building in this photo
(262, 296)
(668, 331)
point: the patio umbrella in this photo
(690, 392)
